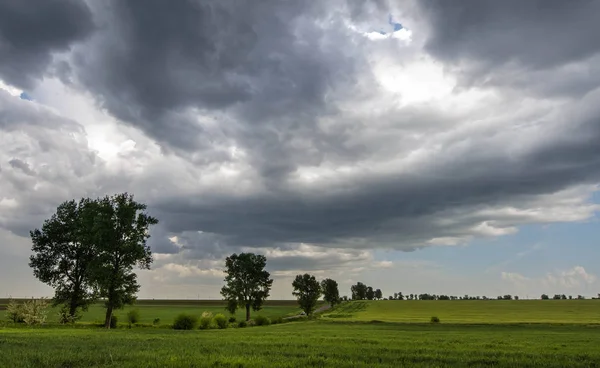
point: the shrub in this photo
(64, 317)
(262, 321)
(221, 321)
(133, 317)
(205, 320)
(435, 319)
(242, 324)
(185, 322)
(277, 321)
(14, 311)
(156, 321)
(35, 311)
(113, 321)
(232, 319)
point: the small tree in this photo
(308, 291)
(63, 254)
(370, 293)
(378, 294)
(247, 284)
(545, 297)
(35, 311)
(331, 293)
(121, 232)
(14, 311)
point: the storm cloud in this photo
(282, 126)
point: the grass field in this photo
(471, 311)
(167, 310)
(471, 334)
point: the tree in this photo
(331, 293)
(121, 231)
(308, 291)
(359, 291)
(545, 297)
(370, 293)
(247, 283)
(378, 294)
(400, 296)
(63, 254)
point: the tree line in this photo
(87, 252)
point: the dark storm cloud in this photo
(31, 31)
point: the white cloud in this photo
(572, 281)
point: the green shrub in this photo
(232, 319)
(156, 321)
(133, 317)
(114, 321)
(221, 321)
(206, 320)
(242, 324)
(64, 317)
(262, 321)
(14, 311)
(35, 311)
(277, 320)
(185, 322)
(435, 319)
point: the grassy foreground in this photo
(307, 344)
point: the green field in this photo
(471, 311)
(356, 334)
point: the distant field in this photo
(167, 310)
(306, 344)
(471, 311)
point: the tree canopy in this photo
(359, 291)
(247, 283)
(308, 291)
(330, 290)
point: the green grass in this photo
(355, 334)
(306, 344)
(471, 311)
(167, 310)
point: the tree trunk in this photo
(109, 311)
(247, 312)
(73, 308)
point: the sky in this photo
(417, 146)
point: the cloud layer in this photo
(285, 127)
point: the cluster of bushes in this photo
(31, 312)
(207, 321)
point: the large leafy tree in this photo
(247, 284)
(331, 293)
(370, 293)
(359, 291)
(308, 291)
(63, 254)
(378, 294)
(120, 233)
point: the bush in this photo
(133, 317)
(114, 320)
(277, 320)
(205, 320)
(220, 320)
(262, 321)
(64, 317)
(435, 319)
(185, 322)
(156, 321)
(232, 319)
(35, 311)
(242, 324)
(14, 311)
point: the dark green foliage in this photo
(185, 322)
(378, 294)
(133, 316)
(277, 321)
(247, 284)
(545, 297)
(262, 321)
(206, 320)
(63, 254)
(220, 321)
(114, 321)
(331, 293)
(242, 324)
(156, 321)
(65, 317)
(308, 291)
(370, 293)
(121, 231)
(232, 319)
(435, 319)
(359, 291)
